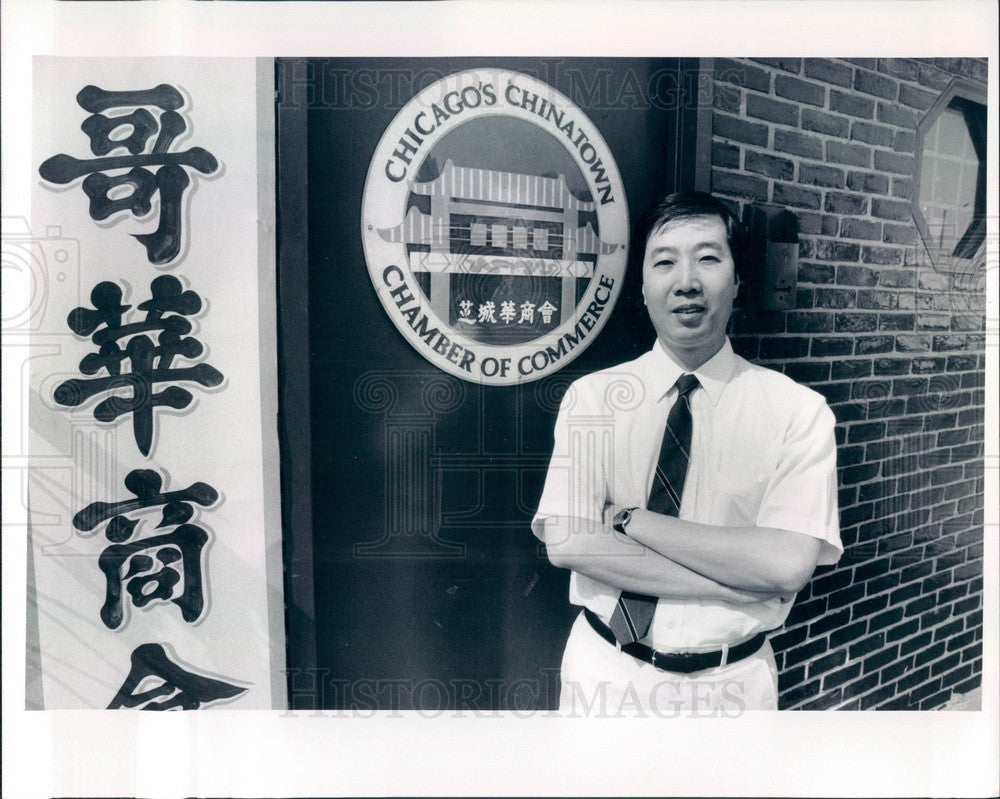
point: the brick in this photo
(806, 611)
(909, 385)
(740, 130)
(879, 584)
(821, 347)
(849, 370)
(968, 571)
(877, 299)
(891, 366)
(913, 678)
(904, 142)
(788, 639)
(960, 641)
(916, 98)
(925, 690)
(740, 74)
(967, 322)
(827, 662)
(821, 122)
(914, 644)
(799, 90)
(868, 431)
(787, 64)
(918, 606)
(934, 617)
(842, 203)
(856, 323)
(899, 703)
(932, 76)
(799, 694)
(946, 631)
(851, 104)
(875, 84)
(839, 677)
(806, 652)
(894, 114)
(739, 185)
(835, 298)
(802, 144)
(902, 68)
(868, 607)
(832, 250)
(872, 133)
(849, 154)
(869, 345)
(859, 687)
(844, 635)
(828, 71)
(894, 162)
(855, 514)
(814, 273)
(929, 654)
(784, 347)
(897, 322)
(915, 343)
(826, 584)
(762, 164)
(725, 155)
(898, 234)
(846, 597)
(772, 110)
(922, 366)
(933, 281)
(879, 659)
(970, 685)
(871, 389)
(808, 373)
(860, 229)
(875, 697)
(890, 209)
(868, 182)
(727, 98)
(885, 256)
(817, 175)
(926, 321)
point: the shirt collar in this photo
(713, 375)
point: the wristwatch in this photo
(622, 518)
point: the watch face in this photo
(622, 517)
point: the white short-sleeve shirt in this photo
(763, 454)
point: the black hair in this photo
(687, 204)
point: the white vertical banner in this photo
(153, 488)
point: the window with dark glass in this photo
(949, 198)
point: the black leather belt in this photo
(683, 662)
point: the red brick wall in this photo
(897, 348)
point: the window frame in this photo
(971, 92)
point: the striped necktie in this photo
(634, 612)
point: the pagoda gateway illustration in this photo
(487, 222)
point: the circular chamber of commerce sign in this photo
(495, 227)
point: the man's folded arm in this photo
(749, 558)
(589, 547)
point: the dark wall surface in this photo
(438, 596)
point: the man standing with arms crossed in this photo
(690, 492)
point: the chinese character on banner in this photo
(152, 134)
(151, 568)
(177, 688)
(134, 391)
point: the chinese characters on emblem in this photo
(155, 125)
(509, 311)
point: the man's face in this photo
(689, 284)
